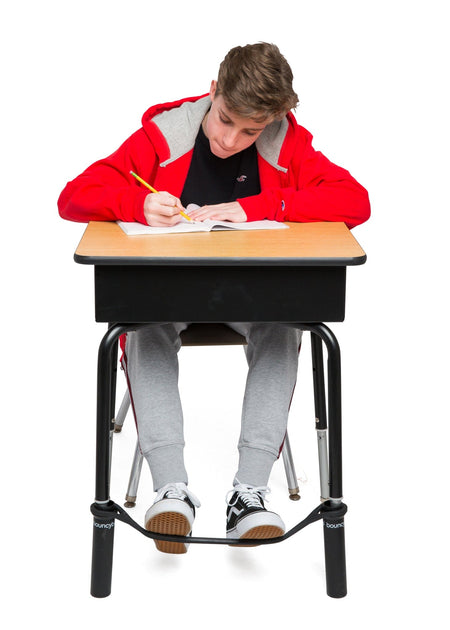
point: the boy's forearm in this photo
(345, 201)
(106, 191)
(92, 201)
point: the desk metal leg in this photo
(335, 565)
(321, 415)
(334, 538)
(103, 532)
(112, 396)
(102, 555)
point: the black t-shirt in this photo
(212, 180)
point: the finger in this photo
(203, 212)
(169, 211)
(170, 205)
(209, 215)
(156, 201)
(177, 203)
(164, 221)
(165, 199)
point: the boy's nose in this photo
(229, 139)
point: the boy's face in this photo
(227, 132)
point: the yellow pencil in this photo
(183, 214)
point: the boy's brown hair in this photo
(255, 81)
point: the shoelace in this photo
(250, 495)
(177, 491)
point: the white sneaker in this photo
(173, 513)
(248, 518)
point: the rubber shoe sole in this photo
(264, 531)
(257, 526)
(172, 517)
(173, 524)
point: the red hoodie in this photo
(297, 182)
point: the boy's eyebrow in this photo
(222, 113)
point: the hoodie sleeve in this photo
(319, 191)
(106, 191)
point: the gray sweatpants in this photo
(151, 364)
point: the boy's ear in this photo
(212, 89)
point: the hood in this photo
(173, 128)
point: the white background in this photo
(372, 78)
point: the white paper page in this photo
(265, 224)
(135, 229)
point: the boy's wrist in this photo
(253, 208)
(139, 212)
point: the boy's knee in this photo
(274, 333)
(157, 335)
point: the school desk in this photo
(292, 276)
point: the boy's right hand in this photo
(162, 209)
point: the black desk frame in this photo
(135, 292)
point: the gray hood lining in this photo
(180, 127)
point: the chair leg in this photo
(135, 476)
(136, 467)
(289, 468)
(123, 410)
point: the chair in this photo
(204, 334)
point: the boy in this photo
(240, 155)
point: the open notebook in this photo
(134, 229)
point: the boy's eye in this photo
(230, 122)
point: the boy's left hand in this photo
(220, 212)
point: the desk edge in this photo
(219, 262)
